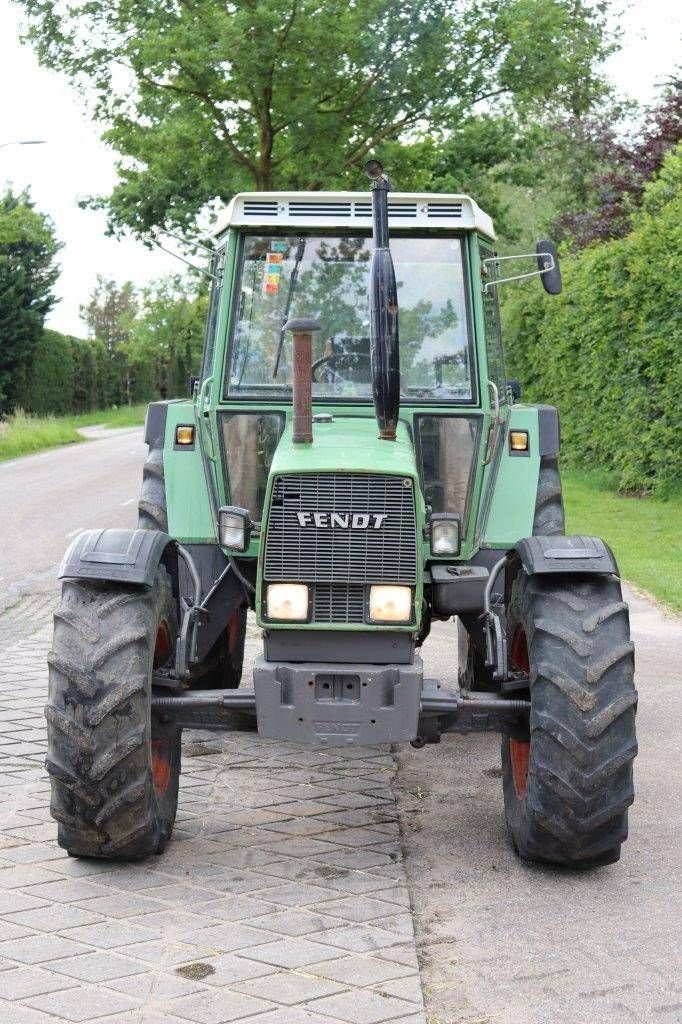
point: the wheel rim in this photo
(160, 748)
(519, 751)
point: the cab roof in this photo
(340, 209)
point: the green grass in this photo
(23, 434)
(644, 533)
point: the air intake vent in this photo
(407, 210)
(260, 208)
(310, 208)
(445, 211)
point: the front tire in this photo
(114, 768)
(567, 787)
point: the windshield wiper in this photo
(300, 250)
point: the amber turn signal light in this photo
(518, 440)
(184, 434)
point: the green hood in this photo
(349, 444)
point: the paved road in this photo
(283, 898)
(48, 498)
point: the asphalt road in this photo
(498, 941)
(47, 499)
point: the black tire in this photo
(114, 769)
(151, 507)
(568, 803)
(549, 519)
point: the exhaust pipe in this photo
(302, 329)
(383, 311)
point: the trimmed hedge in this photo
(608, 351)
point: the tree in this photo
(202, 99)
(28, 271)
(109, 316)
(168, 334)
(613, 170)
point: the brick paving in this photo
(281, 899)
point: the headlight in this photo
(390, 603)
(445, 534)
(234, 527)
(287, 602)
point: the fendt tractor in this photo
(348, 487)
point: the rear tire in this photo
(567, 789)
(114, 768)
(152, 514)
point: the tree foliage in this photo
(607, 351)
(202, 99)
(608, 171)
(28, 271)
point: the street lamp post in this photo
(23, 142)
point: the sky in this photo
(73, 163)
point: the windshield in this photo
(325, 277)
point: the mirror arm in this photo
(518, 277)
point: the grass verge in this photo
(644, 533)
(22, 434)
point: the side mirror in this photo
(548, 265)
(193, 384)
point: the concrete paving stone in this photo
(164, 953)
(365, 817)
(21, 982)
(361, 969)
(294, 922)
(27, 854)
(301, 827)
(230, 968)
(133, 878)
(216, 1007)
(19, 876)
(409, 988)
(252, 816)
(99, 966)
(299, 847)
(119, 905)
(290, 1015)
(362, 1007)
(82, 1004)
(295, 894)
(404, 953)
(154, 985)
(226, 938)
(15, 1013)
(289, 987)
(357, 908)
(306, 808)
(233, 908)
(14, 931)
(359, 837)
(290, 952)
(354, 860)
(68, 890)
(54, 918)
(110, 934)
(359, 938)
(36, 949)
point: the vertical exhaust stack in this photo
(383, 311)
(302, 329)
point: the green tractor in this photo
(348, 487)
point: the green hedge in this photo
(607, 351)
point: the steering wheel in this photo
(332, 364)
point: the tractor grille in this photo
(339, 560)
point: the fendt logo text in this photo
(343, 520)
